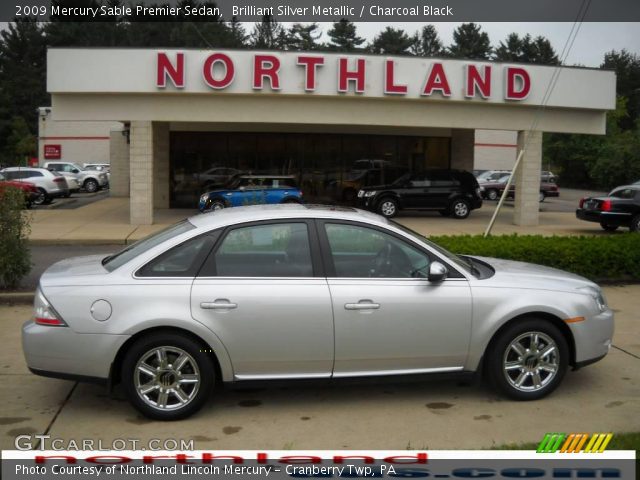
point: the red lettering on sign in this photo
(390, 87)
(477, 82)
(518, 83)
(437, 81)
(345, 76)
(266, 66)
(164, 69)
(229, 69)
(310, 65)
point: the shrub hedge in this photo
(606, 257)
(15, 258)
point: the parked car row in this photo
(31, 192)
(493, 190)
(55, 180)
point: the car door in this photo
(388, 317)
(414, 192)
(261, 291)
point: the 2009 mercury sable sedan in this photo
(305, 292)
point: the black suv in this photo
(451, 192)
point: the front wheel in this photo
(42, 197)
(634, 226)
(460, 209)
(217, 205)
(388, 207)
(167, 376)
(541, 197)
(528, 360)
(492, 194)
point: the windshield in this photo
(132, 251)
(456, 259)
(75, 165)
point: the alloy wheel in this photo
(460, 209)
(531, 361)
(167, 378)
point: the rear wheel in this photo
(167, 376)
(528, 360)
(541, 197)
(388, 207)
(492, 194)
(608, 228)
(634, 226)
(460, 209)
(42, 198)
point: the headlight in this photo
(370, 193)
(203, 198)
(598, 297)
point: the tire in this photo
(492, 194)
(541, 197)
(608, 228)
(460, 209)
(634, 226)
(194, 379)
(216, 205)
(42, 198)
(526, 369)
(388, 207)
(90, 185)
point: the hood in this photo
(528, 275)
(65, 271)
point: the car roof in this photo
(14, 169)
(253, 213)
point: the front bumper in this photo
(61, 352)
(592, 337)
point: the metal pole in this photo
(487, 232)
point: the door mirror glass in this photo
(437, 272)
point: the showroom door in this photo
(388, 317)
(257, 292)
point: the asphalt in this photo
(421, 415)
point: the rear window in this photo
(132, 251)
(625, 193)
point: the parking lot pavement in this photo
(433, 415)
(76, 200)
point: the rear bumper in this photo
(61, 352)
(608, 218)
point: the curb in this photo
(22, 298)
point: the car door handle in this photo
(362, 305)
(221, 304)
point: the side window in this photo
(420, 181)
(365, 252)
(56, 167)
(276, 250)
(32, 173)
(183, 260)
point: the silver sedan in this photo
(305, 292)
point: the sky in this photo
(593, 40)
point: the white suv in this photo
(51, 185)
(90, 180)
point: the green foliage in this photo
(15, 258)
(426, 43)
(526, 49)
(391, 41)
(470, 42)
(343, 37)
(21, 143)
(606, 257)
(304, 37)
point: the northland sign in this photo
(256, 73)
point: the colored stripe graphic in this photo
(574, 443)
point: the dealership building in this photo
(181, 120)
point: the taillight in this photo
(58, 179)
(582, 202)
(44, 313)
(606, 206)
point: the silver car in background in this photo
(50, 184)
(305, 292)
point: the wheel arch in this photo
(381, 197)
(116, 365)
(551, 318)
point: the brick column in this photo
(141, 173)
(119, 164)
(527, 179)
(161, 164)
(462, 149)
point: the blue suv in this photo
(252, 190)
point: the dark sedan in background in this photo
(451, 192)
(621, 208)
(493, 190)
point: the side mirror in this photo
(437, 272)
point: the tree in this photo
(470, 42)
(627, 68)
(21, 143)
(511, 50)
(343, 37)
(526, 49)
(304, 37)
(392, 41)
(427, 43)
(22, 79)
(237, 34)
(268, 34)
